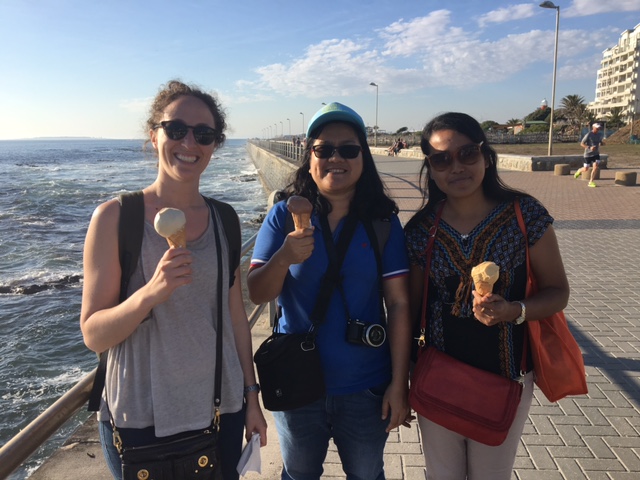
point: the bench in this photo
(628, 179)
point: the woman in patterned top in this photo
(478, 223)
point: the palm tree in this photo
(573, 108)
(513, 122)
(615, 117)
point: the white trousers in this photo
(450, 456)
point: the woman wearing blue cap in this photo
(365, 376)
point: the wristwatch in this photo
(252, 388)
(523, 315)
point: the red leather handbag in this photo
(557, 360)
(477, 404)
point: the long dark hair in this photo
(370, 200)
(492, 185)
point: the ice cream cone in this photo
(301, 220)
(178, 239)
(300, 209)
(170, 223)
(484, 276)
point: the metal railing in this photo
(286, 149)
(17, 450)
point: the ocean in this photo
(48, 194)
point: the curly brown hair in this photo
(175, 89)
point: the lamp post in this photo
(289, 120)
(375, 127)
(548, 4)
(302, 123)
(281, 129)
(275, 129)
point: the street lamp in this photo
(302, 123)
(275, 125)
(375, 127)
(281, 129)
(289, 120)
(548, 4)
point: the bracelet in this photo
(252, 388)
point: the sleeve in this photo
(536, 218)
(416, 243)
(395, 261)
(270, 236)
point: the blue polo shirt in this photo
(348, 368)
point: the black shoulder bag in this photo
(185, 458)
(288, 364)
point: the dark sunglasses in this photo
(177, 130)
(466, 155)
(327, 151)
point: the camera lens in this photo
(374, 335)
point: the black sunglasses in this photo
(177, 130)
(326, 150)
(466, 155)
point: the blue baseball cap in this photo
(336, 112)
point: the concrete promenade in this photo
(593, 437)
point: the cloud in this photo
(332, 66)
(421, 53)
(582, 8)
(502, 15)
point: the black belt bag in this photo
(193, 457)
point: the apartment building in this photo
(618, 83)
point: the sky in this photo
(90, 69)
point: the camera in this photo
(359, 333)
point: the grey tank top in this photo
(163, 374)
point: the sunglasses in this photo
(466, 155)
(177, 130)
(327, 151)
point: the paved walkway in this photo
(594, 437)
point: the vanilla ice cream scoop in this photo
(485, 276)
(170, 223)
(300, 209)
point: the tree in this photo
(488, 125)
(513, 122)
(573, 108)
(539, 115)
(615, 117)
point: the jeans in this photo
(353, 420)
(230, 439)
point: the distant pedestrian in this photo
(591, 144)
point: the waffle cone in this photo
(178, 239)
(301, 220)
(485, 276)
(484, 287)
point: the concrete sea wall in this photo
(275, 171)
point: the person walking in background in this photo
(591, 144)
(459, 181)
(161, 340)
(366, 383)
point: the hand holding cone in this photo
(300, 209)
(485, 276)
(170, 223)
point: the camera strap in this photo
(336, 254)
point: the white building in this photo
(618, 83)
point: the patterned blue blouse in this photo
(452, 327)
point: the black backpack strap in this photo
(231, 227)
(130, 231)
